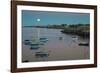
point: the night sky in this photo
(31, 18)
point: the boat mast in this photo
(38, 31)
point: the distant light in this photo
(38, 20)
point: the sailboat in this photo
(38, 41)
(35, 42)
(42, 40)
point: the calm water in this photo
(58, 46)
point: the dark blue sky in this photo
(30, 18)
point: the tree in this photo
(63, 25)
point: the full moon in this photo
(38, 20)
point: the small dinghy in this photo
(34, 46)
(27, 42)
(60, 38)
(41, 54)
(26, 61)
(84, 44)
(73, 37)
(43, 40)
